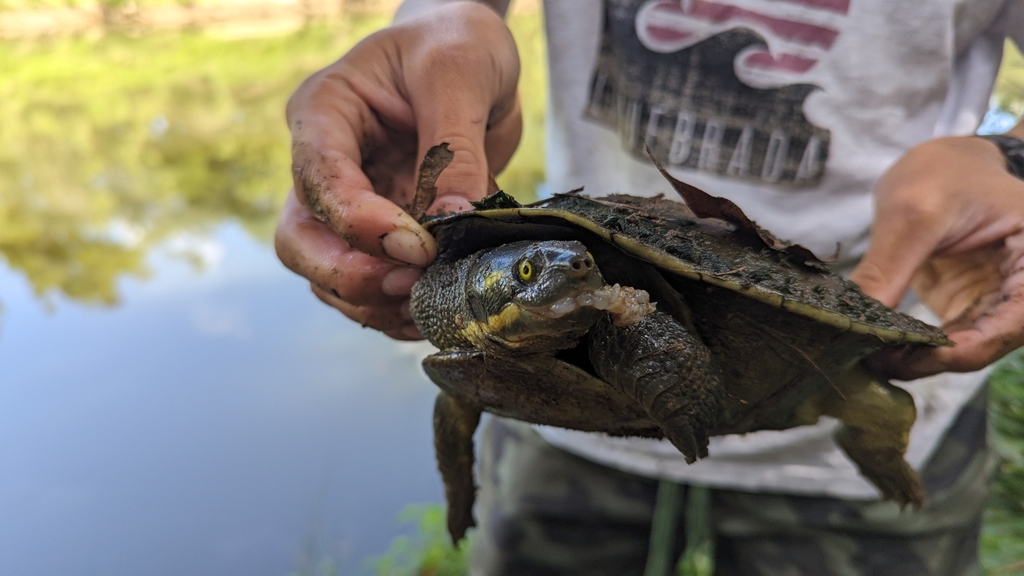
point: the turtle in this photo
(649, 317)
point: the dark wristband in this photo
(1013, 151)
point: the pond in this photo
(216, 422)
(172, 400)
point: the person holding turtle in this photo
(829, 122)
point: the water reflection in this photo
(110, 146)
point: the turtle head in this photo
(523, 295)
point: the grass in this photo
(1003, 533)
(428, 552)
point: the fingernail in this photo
(412, 332)
(399, 281)
(406, 246)
(405, 311)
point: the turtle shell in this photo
(779, 324)
(667, 235)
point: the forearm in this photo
(410, 9)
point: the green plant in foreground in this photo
(698, 558)
(1002, 540)
(427, 553)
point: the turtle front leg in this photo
(877, 418)
(668, 371)
(454, 424)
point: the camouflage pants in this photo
(544, 511)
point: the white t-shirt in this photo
(792, 109)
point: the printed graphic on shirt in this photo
(715, 86)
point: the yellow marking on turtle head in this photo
(480, 333)
(502, 320)
(493, 278)
(474, 332)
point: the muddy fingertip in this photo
(408, 246)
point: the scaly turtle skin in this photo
(746, 335)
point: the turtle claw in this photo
(903, 486)
(459, 521)
(685, 443)
(668, 371)
(884, 467)
(692, 443)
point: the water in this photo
(222, 422)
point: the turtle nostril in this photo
(581, 266)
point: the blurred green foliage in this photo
(525, 170)
(110, 146)
(698, 557)
(429, 552)
(1003, 532)
(1009, 88)
(84, 4)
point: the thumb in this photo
(896, 251)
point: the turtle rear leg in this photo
(877, 418)
(668, 371)
(454, 424)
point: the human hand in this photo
(359, 129)
(950, 223)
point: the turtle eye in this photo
(526, 270)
